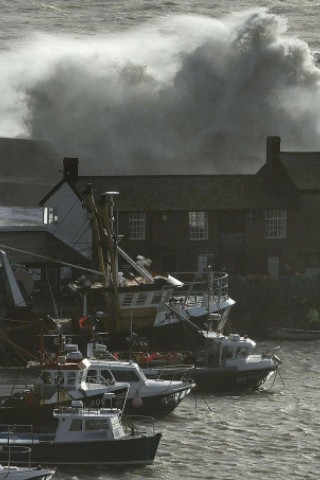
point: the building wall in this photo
(73, 220)
(236, 241)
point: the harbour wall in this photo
(264, 302)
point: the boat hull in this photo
(132, 450)
(158, 405)
(219, 380)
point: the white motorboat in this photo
(58, 380)
(146, 396)
(222, 362)
(83, 437)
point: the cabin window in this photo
(156, 298)
(276, 223)
(71, 378)
(227, 352)
(96, 424)
(105, 374)
(198, 225)
(137, 226)
(141, 300)
(125, 376)
(76, 425)
(50, 215)
(127, 300)
(92, 374)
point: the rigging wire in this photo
(52, 260)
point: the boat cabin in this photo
(222, 348)
(122, 371)
(76, 424)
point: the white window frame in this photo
(50, 215)
(276, 223)
(202, 262)
(198, 225)
(205, 261)
(137, 226)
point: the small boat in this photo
(12, 472)
(84, 437)
(146, 396)
(224, 367)
(286, 333)
(59, 380)
(223, 363)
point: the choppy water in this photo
(268, 435)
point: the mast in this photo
(103, 251)
(107, 219)
(89, 203)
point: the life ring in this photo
(84, 323)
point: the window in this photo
(273, 266)
(276, 223)
(50, 215)
(137, 226)
(96, 424)
(36, 275)
(142, 298)
(205, 260)
(125, 376)
(198, 225)
(71, 378)
(76, 425)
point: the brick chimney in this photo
(273, 150)
(70, 168)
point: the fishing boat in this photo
(146, 396)
(84, 437)
(223, 363)
(134, 295)
(58, 380)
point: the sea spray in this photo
(187, 94)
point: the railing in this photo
(203, 288)
(139, 424)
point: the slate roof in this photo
(186, 192)
(303, 168)
(37, 241)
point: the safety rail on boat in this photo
(180, 372)
(15, 449)
(141, 424)
(213, 285)
(12, 429)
